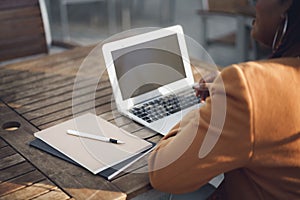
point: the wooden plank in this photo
(121, 121)
(21, 35)
(15, 77)
(15, 171)
(79, 183)
(10, 161)
(84, 103)
(21, 12)
(31, 191)
(19, 83)
(68, 111)
(12, 4)
(37, 48)
(41, 65)
(76, 181)
(110, 115)
(14, 96)
(23, 80)
(142, 162)
(68, 68)
(127, 182)
(100, 109)
(15, 22)
(134, 183)
(59, 103)
(6, 151)
(144, 133)
(33, 28)
(2, 143)
(40, 97)
(27, 90)
(140, 165)
(22, 43)
(129, 125)
(53, 195)
(156, 138)
(52, 64)
(8, 72)
(19, 88)
(20, 182)
(132, 127)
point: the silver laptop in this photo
(152, 78)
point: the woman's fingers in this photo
(201, 90)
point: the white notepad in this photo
(94, 155)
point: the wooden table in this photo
(37, 94)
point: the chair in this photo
(243, 12)
(24, 29)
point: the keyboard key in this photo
(164, 106)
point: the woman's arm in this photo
(177, 164)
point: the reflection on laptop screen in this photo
(148, 66)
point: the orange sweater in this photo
(257, 145)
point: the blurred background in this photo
(223, 31)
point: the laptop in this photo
(151, 77)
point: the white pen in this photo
(94, 137)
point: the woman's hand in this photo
(202, 88)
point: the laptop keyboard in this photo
(165, 106)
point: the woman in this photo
(258, 148)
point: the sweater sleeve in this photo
(207, 142)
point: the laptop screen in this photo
(145, 67)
